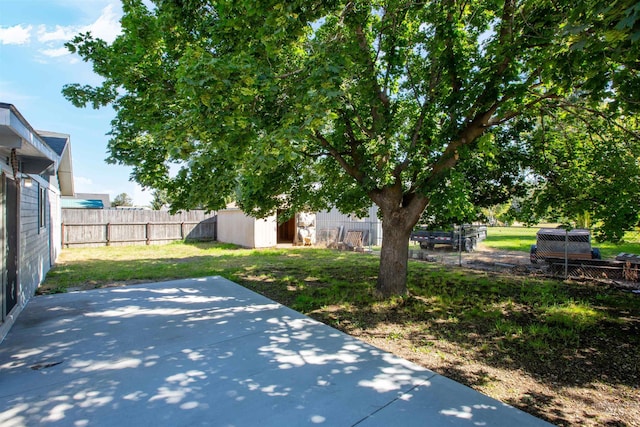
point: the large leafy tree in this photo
(304, 104)
(588, 171)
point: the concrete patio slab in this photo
(210, 352)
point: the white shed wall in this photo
(265, 232)
(234, 226)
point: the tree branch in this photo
(566, 107)
(511, 114)
(371, 66)
(397, 171)
(351, 170)
(289, 74)
(506, 33)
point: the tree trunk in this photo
(392, 277)
(400, 213)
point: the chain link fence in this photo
(574, 254)
(352, 235)
(540, 251)
(544, 251)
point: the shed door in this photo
(286, 230)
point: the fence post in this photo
(108, 233)
(459, 245)
(62, 236)
(148, 233)
(182, 233)
(566, 253)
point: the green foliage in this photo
(122, 199)
(589, 169)
(305, 104)
(160, 200)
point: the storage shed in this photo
(234, 226)
(326, 228)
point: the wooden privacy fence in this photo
(111, 227)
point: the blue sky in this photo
(35, 65)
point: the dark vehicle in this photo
(554, 243)
(465, 237)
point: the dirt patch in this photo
(481, 255)
(548, 395)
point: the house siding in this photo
(35, 253)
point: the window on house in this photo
(42, 208)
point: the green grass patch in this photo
(574, 316)
(511, 238)
(631, 244)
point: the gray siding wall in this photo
(34, 253)
(333, 224)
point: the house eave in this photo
(33, 154)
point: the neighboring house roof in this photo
(106, 200)
(82, 204)
(36, 154)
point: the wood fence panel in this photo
(203, 230)
(166, 231)
(96, 227)
(84, 233)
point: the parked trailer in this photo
(558, 243)
(468, 236)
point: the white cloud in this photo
(54, 53)
(15, 35)
(59, 34)
(107, 26)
